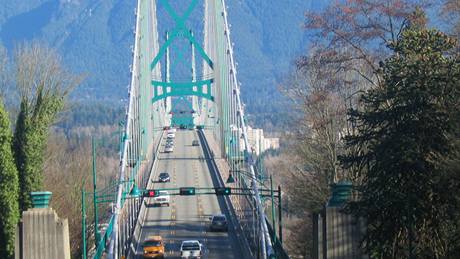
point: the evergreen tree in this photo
(43, 85)
(19, 148)
(406, 128)
(9, 215)
(30, 141)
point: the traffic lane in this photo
(193, 223)
(219, 244)
(188, 223)
(157, 219)
(196, 226)
(164, 227)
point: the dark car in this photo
(164, 177)
(195, 143)
(219, 223)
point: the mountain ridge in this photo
(95, 38)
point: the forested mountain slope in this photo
(94, 38)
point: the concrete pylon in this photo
(41, 234)
(337, 235)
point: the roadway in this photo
(187, 217)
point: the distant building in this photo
(259, 143)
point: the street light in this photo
(134, 193)
(97, 234)
(231, 179)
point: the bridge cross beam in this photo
(182, 89)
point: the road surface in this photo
(187, 217)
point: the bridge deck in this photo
(188, 216)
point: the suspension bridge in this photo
(187, 80)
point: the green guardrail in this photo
(103, 241)
(276, 243)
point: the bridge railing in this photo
(276, 239)
(277, 245)
(244, 206)
(142, 118)
(233, 128)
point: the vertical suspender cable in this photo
(267, 248)
(113, 247)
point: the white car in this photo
(171, 135)
(169, 149)
(162, 199)
(191, 249)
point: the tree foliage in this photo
(9, 188)
(43, 85)
(349, 39)
(406, 129)
(68, 171)
(451, 14)
(322, 96)
(3, 72)
(353, 34)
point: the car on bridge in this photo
(218, 223)
(191, 249)
(162, 199)
(164, 177)
(169, 148)
(153, 247)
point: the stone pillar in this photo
(41, 234)
(336, 234)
